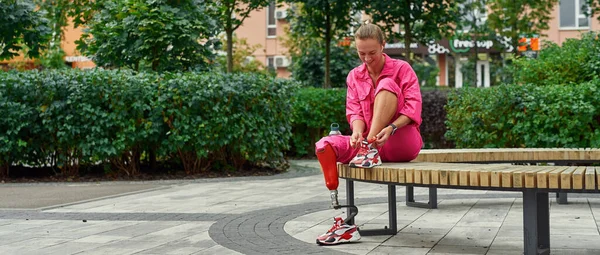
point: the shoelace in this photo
(364, 149)
(336, 225)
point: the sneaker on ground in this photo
(367, 156)
(339, 233)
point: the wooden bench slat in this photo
(578, 177)
(590, 178)
(507, 176)
(566, 178)
(507, 155)
(598, 176)
(485, 178)
(543, 176)
(480, 176)
(554, 178)
(526, 176)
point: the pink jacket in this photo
(360, 96)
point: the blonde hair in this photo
(369, 31)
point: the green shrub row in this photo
(575, 62)
(433, 127)
(314, 109)
(514, 116)
(66, 119)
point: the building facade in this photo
(266, 27)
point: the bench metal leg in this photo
(349, 198)
(561, 198)
(392, 229)
(536, 222)
(410, 198)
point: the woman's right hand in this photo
(356, 139)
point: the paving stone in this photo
(283, 215)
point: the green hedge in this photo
(314, 109)
(516, 116)
(433, 127)
(66, 119)
(575, 62)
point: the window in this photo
(271, 62)
(271, 24)
(572, 14)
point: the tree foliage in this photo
(57, 16)
(513, 18)
(22, 29)
(243, 61)
(309, 67)
(594, 8)
(159, 35)
(231, 15)
(315, 21)
(473, 27)
(419, 20)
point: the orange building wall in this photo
(254, 29)
(558, 35)
(68, 45)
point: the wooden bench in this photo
(502, 155)
(441, 169)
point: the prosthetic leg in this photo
(328, 160)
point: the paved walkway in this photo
(269, 215)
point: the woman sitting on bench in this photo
(383, 108)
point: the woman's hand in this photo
(356, 139)
(383, 136)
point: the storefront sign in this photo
(77, 59)
(445, 46)
(462, 46)
(399, 45)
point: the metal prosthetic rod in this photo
(352, 211)
(334, 198)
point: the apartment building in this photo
(265, 27)
(450, 54)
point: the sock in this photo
(328, 161)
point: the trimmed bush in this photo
(514, 116)
(433, 127)
(65, 119)
(575, 62)
(313, 111)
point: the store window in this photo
(271, 21)
(573, 14)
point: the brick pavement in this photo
(282, 215)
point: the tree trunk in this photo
(152, 158)
(476, 53)
(4, 170)
(327, 46)
(229, 33)
(407, 41)
(515, 35)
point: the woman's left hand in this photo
(383, 136)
